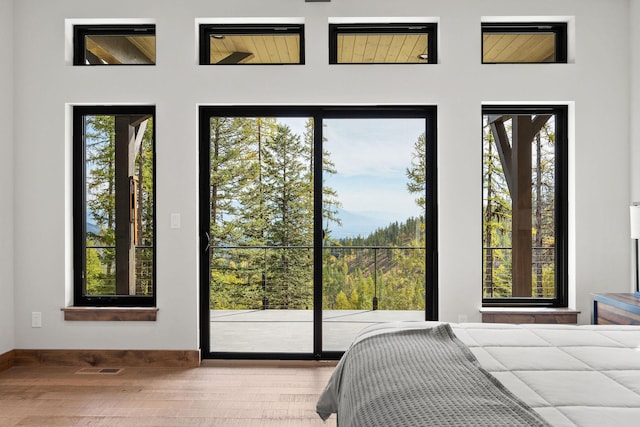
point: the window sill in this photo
(557, 315)
(111, 314)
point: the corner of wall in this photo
(7, 315)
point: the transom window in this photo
(114, 206)
(382, 43)
(524, 43)
(524, 211)
(251, 44)
(114, 45)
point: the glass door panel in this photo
(261, 235)
(374, 188)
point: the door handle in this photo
(207, 241)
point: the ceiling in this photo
(381, 48)
(120, 49)
(255, 49)
(510, 47)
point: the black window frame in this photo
(208, 30)
(429, 28)
(561, 207)
(79, 210)
(81, 31)
(559, 29)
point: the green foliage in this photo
(497, 214)
(100, 204)
(262, 228)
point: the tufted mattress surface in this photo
(572, 375)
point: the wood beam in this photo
(504, 149)
(538, 123)
(234, 58)
(522, 136)
(116, 50)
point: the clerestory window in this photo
(524, 211)
(114, 205)
(114, 45)
(522, 43)
(251, 44)
(409, 43)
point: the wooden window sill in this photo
(557, 315)
(111, 314)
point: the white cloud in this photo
(373, 147)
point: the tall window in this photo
(114, 206)
(114, 45)
(382, 43)
(524, 212)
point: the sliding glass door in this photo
(374, 262)
(315, 222)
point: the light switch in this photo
(36, 319)
(175, 220)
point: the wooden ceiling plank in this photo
(271, 50)
(146, 45)
(542, 48)
(514, 51)
(421, 47)
(293, 48)
(347, 45)
(255, 45)
(396, 45)
(383, 48)
(371, 47)
(283, 50)
(280, 49)
(496, 44)
(406, 49)
(359, 46)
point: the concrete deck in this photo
(291, 331)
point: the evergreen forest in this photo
(261, 214)
(497, 213)
(100, 194)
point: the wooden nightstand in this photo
(616, 309)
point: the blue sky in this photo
(371, 157)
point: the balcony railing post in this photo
(375, 279)
(265, 298)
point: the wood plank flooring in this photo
(219, 393)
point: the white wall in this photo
(7, 340)
(596, 84)
(634, 111)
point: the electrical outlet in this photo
(462, 318)
(36, 319)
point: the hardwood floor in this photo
(219, 393)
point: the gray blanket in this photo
(419, 377)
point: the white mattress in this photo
(572, 375)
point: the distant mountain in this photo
(360, 224)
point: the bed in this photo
(434, 373)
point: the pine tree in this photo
(496, 222)
(289, 199)
(100, 194)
